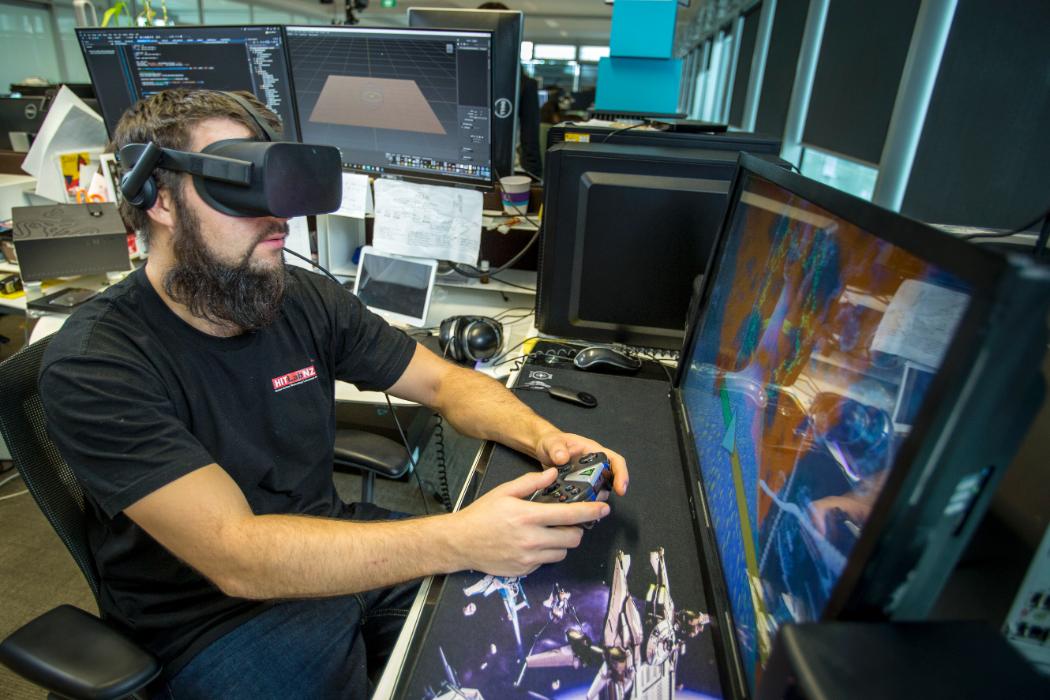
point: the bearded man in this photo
(215, 525)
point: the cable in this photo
(306, 259)
(645, 122)
(1006, 234)
(442, 465)
(397, 421)
(411, 458)
(654, 358)
(475, 272)
(511, 284)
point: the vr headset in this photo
(242, 177)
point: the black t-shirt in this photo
(136, 398)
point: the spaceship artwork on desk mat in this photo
(537, 638)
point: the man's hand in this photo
(501, 533)
(556, 448)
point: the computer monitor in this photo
(407, 102)
(506, 27)
(853, 386)
(395, 287)
(626, 232)
(20, 119)
(81, 90)
(127, 64)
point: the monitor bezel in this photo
(296, 132)
(981, 269)
(397, 173)
(500, 17)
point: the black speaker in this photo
(470, 338)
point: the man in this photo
(220, 540)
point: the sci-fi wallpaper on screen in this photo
(816, 346)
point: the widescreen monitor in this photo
(851, 391)
(408, 102)
(127, 64)
(506, 27)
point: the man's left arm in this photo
(479, 406)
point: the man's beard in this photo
(227, 295)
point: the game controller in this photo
(586, 478)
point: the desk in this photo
(634, 416)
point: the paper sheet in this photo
(428, 221)
(298, 240)
(919, 322)
(357, 197)
(70, 125)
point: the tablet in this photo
(395, 287)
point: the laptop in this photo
(394, 286)
(852, 386)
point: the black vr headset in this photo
(242, 177)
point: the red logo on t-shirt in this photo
(299, 376)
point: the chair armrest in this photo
(74, 654)
(375, 453)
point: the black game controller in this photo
(586, 478)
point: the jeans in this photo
(316, 648)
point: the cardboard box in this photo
(69, 239)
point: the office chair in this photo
(71, 653)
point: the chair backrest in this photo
(46, 475)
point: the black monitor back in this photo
(626, 232)
(506, 27)
(20, 114)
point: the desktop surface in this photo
(475, 630)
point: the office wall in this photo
(858, 72)
(984, 155)
(743, 66)
(789, 22)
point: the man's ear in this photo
(162, 212)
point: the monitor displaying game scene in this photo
(813, 356)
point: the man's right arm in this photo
(204, 519)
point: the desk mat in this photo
(551, 634)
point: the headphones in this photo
(470, 338)
(139, 187)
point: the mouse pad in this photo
(624, 616)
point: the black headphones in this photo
(139, 187)
(470, 338)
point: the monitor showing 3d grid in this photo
(407, 102)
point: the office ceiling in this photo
(556, 21)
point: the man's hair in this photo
(168, 119)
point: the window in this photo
(25, 33)
(226, 12)
(593, 54)
(554, 52)
(847, 175)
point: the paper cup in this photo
(514, 191)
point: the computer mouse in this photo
(603, 359)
